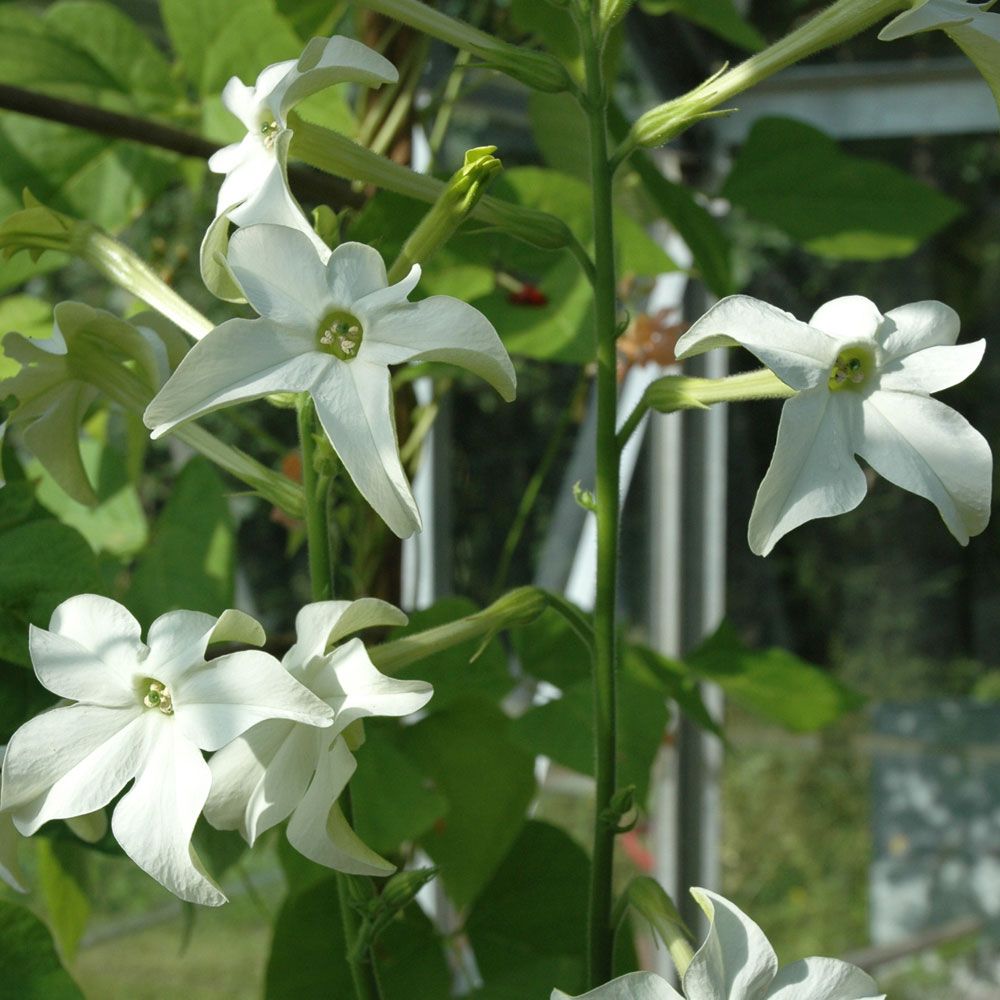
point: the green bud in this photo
(612, 11)
(452, 208)
(37, 228)
(648, 898)
(584, 498)
(536, 69)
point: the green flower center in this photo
(340, 333)
(853, 367)
(157, 695)
(269, 130)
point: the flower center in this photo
(157, 695)
(854, 365)
(269, 130)
(340, 334)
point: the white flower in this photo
(282, 769)
(971, 26)
(331, 330)
(143, 711)
(737, 962)
(863, 382)
(10, 870)
(256, 185)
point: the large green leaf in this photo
(719, 16)
(454, 673)
(795, 177)
(44, 563)
(528, 926)
(488, 781)
(31, 969)
(772, 683)
(189, 561)
(550, 650)
(62, 880)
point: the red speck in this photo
(528, 295)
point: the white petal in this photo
(929, 15)
(979, 39)
(280, 272)
(440, 328)
(849, 318)
(389, 295)
(242, 101)
(798, 354)
(259, 778)
(354, 405)
(932, 369)
(237, 361)
(90, 827)
(823, 979)
(931, 450)
(104, 627)
(70, 761)
(70, 671)
(367, 612)
(354, 271)
(154, 821)
(325, 62)
(916, 326)
(269, 79)
(351, 683)
(223, 699)
(736, 961)
(813, 472)
(634, 986)
(318, 830)
(248, 167)
(10, 869)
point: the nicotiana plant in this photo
(340, 332)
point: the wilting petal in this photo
(798, 354)
(932, 369)
(259, 778)
(813, 472)
(238, 361)
(70, 761)
(823, 979)
(354, 271)
(927, 448)
(282, 277)
(634, 986)
(736, 961)
(927, 16)
(218, 702)
(355, 688)
(354, 404)
(154, 821)
(324, 63)
(440, 328)
(318, 830)
(917, 326)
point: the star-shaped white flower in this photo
(971, 26)
(255, 189)
(284, 769)
(331, 330)
(143, 711)
(737, 962)
(864, 382)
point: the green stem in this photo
(600, 931)
(314, 489)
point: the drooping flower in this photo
(863, 382)
(142, 711)
(255, 189)
(331, 330)
(737, 962)
(282, 769)
(971, 26)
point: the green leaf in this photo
(796, 178)
(410, 957)
(118, 523)
(392, 803)
(453, 672)
(528, 926)
(62, 880)
(26, 315)
(719, 16)
(488, 782)
(45, 562)
(189, 562)
(31, 969)
(772, 683)
(549, 649)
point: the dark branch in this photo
(309, 185)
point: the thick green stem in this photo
(600, 931)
